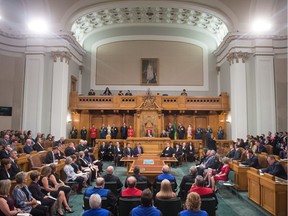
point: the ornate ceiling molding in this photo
(244, 56)
(148, 15)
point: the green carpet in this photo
(230, 204)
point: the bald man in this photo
(165, 175)
(110, 177)
(131, 190)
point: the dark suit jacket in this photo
(186, 179)
(181, 132)
(14, 169)
(113, 178)
(136, 151)
(167, 153)
(253, 162)
(81, 147)
(27, 149)
(231, 153)
(237, 154)
(4, 175)
(3, 154)
(114, 132)
(69, 151)
(178, 152)
(139, 178)
(276, 169)
(123, 132)
(37, 147)
(127, 152)
(49, 158)
(36, 192)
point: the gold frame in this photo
(154, 76)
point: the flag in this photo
(175, 129)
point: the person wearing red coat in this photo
(130, 132)
(223, 175)
(131, 190)
(93, 133)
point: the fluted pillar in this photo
(239, 121)
(60, 93)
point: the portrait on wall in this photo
(149, 71)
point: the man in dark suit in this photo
(110, 152)
(14, 169)
(37, 146)
(59, 142)
(102, 153)
(190, 178)
(260, 147)
(28, 147)
(114, 131)
(170, 130)
(128, 151)
(178, 154)
(118, 152)
(274, 168)
(5, 171)
(210, 160)
(231, 152)
(4, 153)
(124, 131)
(190, 152)
(198, 133)
(181, 131)
(51, 156)
(164, 134)
(103, 132)
(5, 141)
(109, 177)
(139, 177)
(82, 146)
(167, 151)
(138, 150)
(238, 153)
(252, 160)
(70, 150)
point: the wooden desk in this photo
(268, 193)
(149, 170)
(241, 180)
(151, 145)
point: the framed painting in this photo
(149, 71)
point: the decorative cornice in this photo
(236, 56)
(61, 55)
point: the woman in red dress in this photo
(130, 132)
(223, 175)
(93, 133)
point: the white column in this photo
(80, 80)
(218, 80)
(60, 93)
(265, 94)
(238, 97)
(33, 93)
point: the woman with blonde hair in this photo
(165, 190)
(72, 176)
(6, 202)
(54, 192)
(193, 204)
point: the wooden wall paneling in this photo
(160, 125)
(76, 122)
(213, 121)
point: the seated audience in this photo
(102, 152)
(36, 192)
(52, 156)
(4, 153)
(199, 188)
(238, 153)
(190, 151)
(128, 151)
(146, 208)
(23, 197)
(70, 150)
(28, 146)
(131, 190)
(190, 178)
(231, 152)
(165, 190)
(168, 151)
(178, 154)
(208, 162)
(109, 177)
(87, 166)
(5, 171)
(101, 191)
(45, 183)
(89, 156)
(139, 178)
(59, 142)
(260, 147)
(223, 175)
(252, 160)
(274, 168)
(165, 175)
(110, 152)
(81, 172)
(38, 146)
(193, 204)
(14, 169)
(82, 146)
(72, 176)
(284, 153)
(107, 91)
(138, 150)
(5, 141)
(7, 202)
(95, 207)
(164, 134)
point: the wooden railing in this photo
(210, 103)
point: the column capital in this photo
(61, 55)
(236, 56)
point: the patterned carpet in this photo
(230, 204)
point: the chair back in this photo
(127, 204)
(36, 160)
(262, 160)
(112, 186)
(169, 207)
(209, 205)
(141, 185)
(188, 186)
(269, 149)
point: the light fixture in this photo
(39, 26)
(261, 25)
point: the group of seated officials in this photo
(107, 92)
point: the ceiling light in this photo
(39, 26)
(261, 25)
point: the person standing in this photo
(130, 132)
(181, 131)
(199, 133)
(103, 132)
(220, 133)
(73, 133)
(124, 131)
(114, 131)
(93, 134)
(83, 133)
(170, 130)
